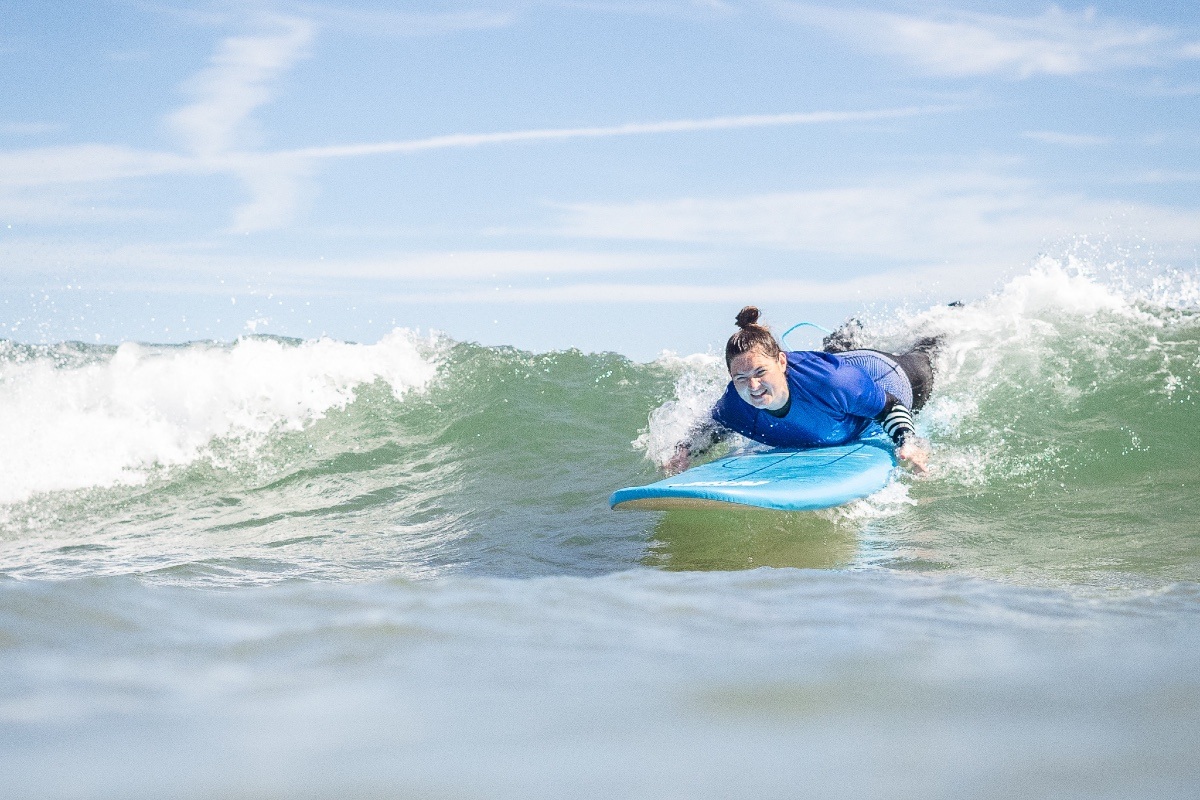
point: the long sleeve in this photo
(896, 420)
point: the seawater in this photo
(279, 568)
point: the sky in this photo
(595, 174)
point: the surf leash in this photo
(783, 338)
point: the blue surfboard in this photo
(785, 480)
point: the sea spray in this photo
(1063, 432)
(406, 581)
(74, 417)
(700, 383)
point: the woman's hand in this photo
(916, 452)
(678, 462)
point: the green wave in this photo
(1064, 443)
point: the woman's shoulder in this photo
(730, 410)
(812, 359)
(826, 374)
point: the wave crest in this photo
(74, 417)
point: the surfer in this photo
(814, 398)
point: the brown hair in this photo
(752, 336)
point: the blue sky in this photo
(607, 175)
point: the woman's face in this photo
(760, 380)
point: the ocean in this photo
(305, 569)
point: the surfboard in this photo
(784, 480)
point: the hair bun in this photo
(747, 316)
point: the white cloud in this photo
(278, 186)
(884, 286)
(1165, 176)
(69, 206)
(236, 82)
(384, 22)
(79, 183)
(629, 129)
(86, 163)
(1056, 42)
(214, 129)
(1161, 89)
(966, 218)
(484, 267)
(277, 180)
(28, 128)
(1067, 139)
(500, 264)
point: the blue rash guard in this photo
(832, 402)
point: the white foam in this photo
(1029, 336)
(1028, 342)
(113, 421)
(889, 501)
(702, 379)
(1029, 304)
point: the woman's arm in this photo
(699, 439)
(897, 422)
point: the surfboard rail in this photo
(780, 479)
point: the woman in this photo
(813, 399)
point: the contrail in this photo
(630, 129)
